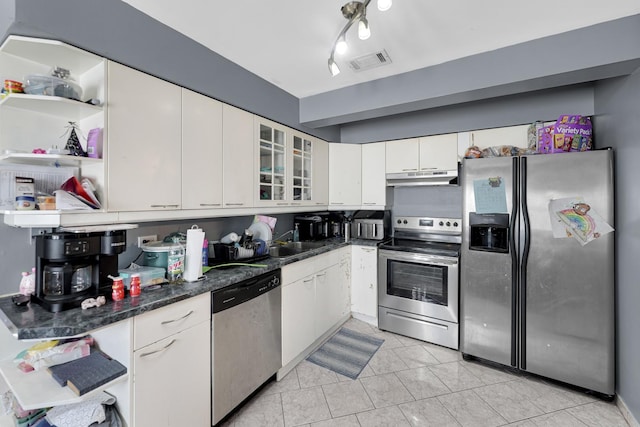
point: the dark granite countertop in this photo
(33, 322)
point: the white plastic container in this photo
(52, 86)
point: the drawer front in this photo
(337, 256)
(293, 272)
(163, 322)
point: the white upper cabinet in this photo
(345, 175)
(402, 155)
(320, 190)
(429, 153)
(301, 150)
(309, 179)
(201, 151)
(374, 186)
(144, 149)
(271, 164)
(439, 152)
(237, 157)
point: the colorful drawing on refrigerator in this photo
(573, 217)
(490, 195)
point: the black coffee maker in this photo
(71, 267)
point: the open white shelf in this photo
(57, 218)
(60, 159)
(51, 52)
(37, 389)
(68, 109)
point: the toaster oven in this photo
(371, 225)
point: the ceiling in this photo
(288, 42)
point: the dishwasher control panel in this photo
(232, 295)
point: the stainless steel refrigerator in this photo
(537, 265)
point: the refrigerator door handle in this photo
(514, 262)
(523, 268)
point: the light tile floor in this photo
(413, 383)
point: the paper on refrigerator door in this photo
(490, 195)
(574, 217)
(193, 257)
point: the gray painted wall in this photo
(588, 54)
(17, 253)
(496, 112)
(437, 201)
(616, 122)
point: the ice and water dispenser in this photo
(489, 232)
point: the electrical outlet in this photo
(143, 240)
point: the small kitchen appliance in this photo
(71, 267)
(418, 279)
(371, 225)
(313, 226)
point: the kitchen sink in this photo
(293, 248)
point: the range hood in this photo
(423, 178)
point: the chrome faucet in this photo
(282, 235)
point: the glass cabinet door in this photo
(272, 163)
(302, 155)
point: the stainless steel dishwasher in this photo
(246, 343)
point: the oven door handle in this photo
(417, 258)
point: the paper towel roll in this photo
(193, 257)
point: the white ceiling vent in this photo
(370, 61)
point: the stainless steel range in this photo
(418, 279)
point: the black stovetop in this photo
(423, 247)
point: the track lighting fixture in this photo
(384, 5)
(354, 11)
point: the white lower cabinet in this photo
(298, 323)
(172, 375)
(364, 285)
(332, 295)
(315, 298)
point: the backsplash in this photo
(436, 201)
(19, 255)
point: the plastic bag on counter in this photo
(51, 353)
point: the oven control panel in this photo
(428, 225)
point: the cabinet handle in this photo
(166, 322)
(235, 204)
(282, 204)
(296, 204)
(159, 350)
(427, 169)
(369, 203)
(210, 204)
(409, 170)
(321, 274)
(368, 249)
(164, 206)
(308, 280)
(336, 203)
